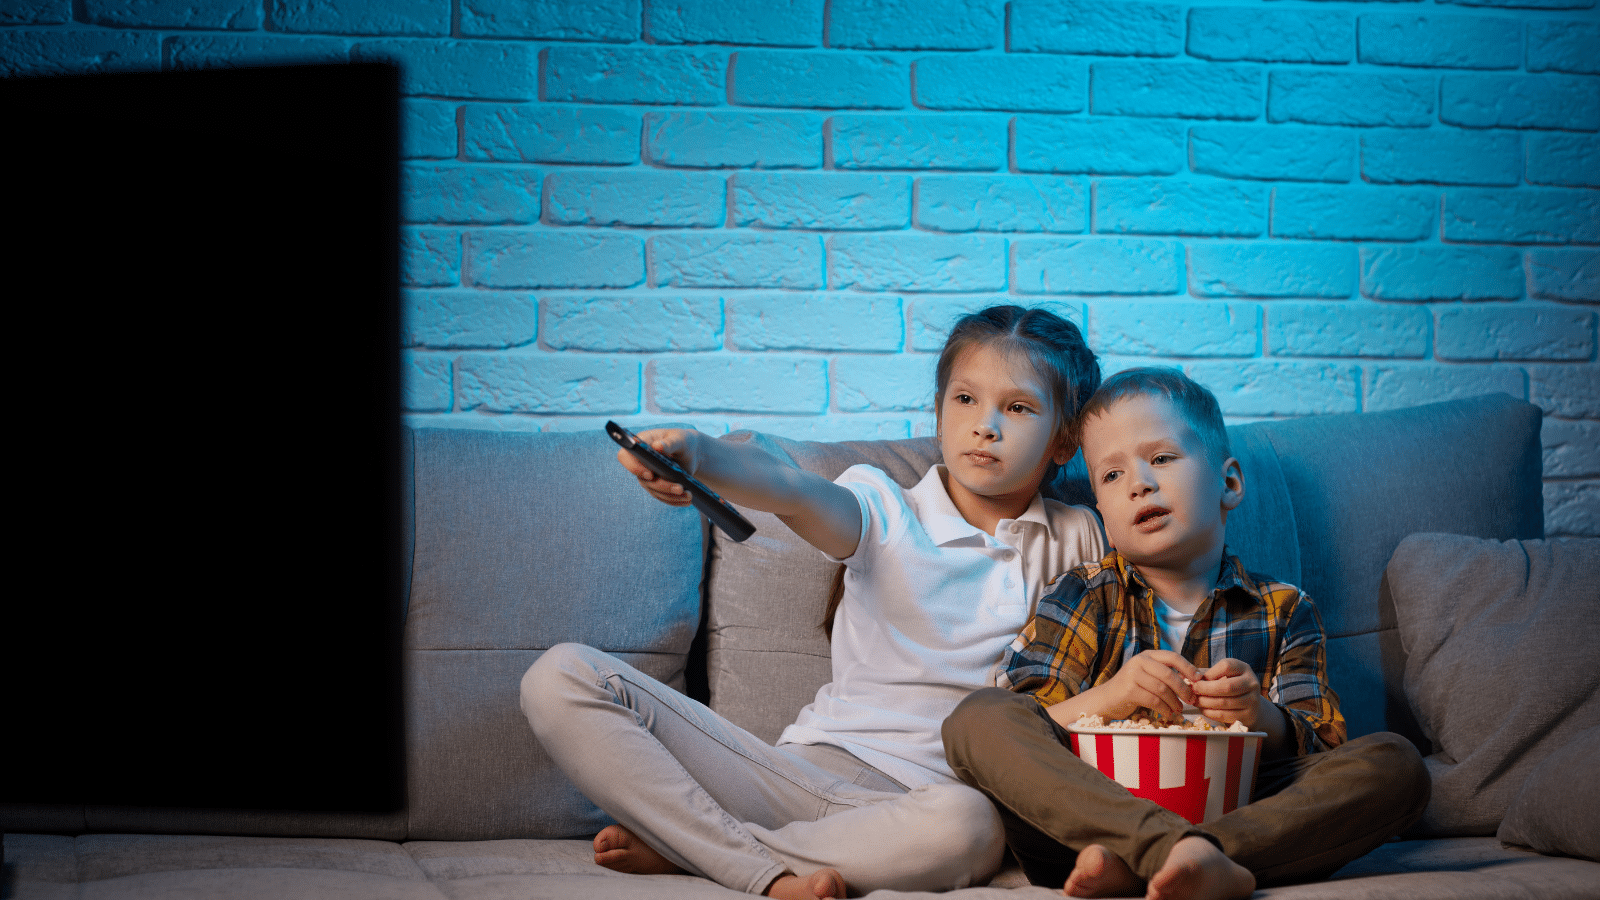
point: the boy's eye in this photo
(1162, 458)
(1109, 477)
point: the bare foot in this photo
(823, 884)
(620, 850)
(1197, 870)
(1101, 873)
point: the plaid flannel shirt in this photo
(1101, 614)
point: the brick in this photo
(525, 132)
(791, 24)
(820, 200)
(1272, 152)
(612, 21)
(242, 15)
(1094, 146)
(1565, 390)
(902, 382)
(933, 317)
(1461, 42)
(1353, 214)
(1400, 386)
(1271, 388)
(1566, 160)
(633, 324)
(1348, 329)
(73, 52)
(1002, 203)
(1528, 4)
(1440, 273)
(403, 17)
(425, 382)
(1441, 156)
(635, 197)
(970, 142)
(187, 52)
(818, 80)
(1098, 266)
(537, 382)
(1234, 34)
(1271, 269)
(1175, 328)
(1008, 82)
(1528, 216)
(430, 257)
(750, 383)
(1350, 98)
(538, 258)
(715, 140)
(915, 25)
(1522, 332)
(468, 195)
(1562, 274)
(1098, 27)
(617, 75)
(916, 262)
(832, 427)
(466, 70)
(464, 319)
(36, 12)
(862, 324)
(1171, 206)
(1570, 46)
(736, 260)
(1178, 90)
(1567, 102)
(427, 129)
(1572, 509)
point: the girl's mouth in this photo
(981, 458)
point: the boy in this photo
(1168, 621)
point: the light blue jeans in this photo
(721, 803)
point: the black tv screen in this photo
(206, 586)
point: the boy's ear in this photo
(1232, 484)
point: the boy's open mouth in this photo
(1149, 515)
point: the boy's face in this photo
(997, 426)
(1163, 499)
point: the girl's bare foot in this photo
(1101, 873)
(823, 884)
(1197, 870)
(620, 850)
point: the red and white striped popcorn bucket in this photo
(1199, 775)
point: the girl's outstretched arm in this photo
(826, 515)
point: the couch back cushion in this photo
(523, 541)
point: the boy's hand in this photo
(1229, 692)
(1155, 679)
(676, 443)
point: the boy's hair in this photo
(1052, 345)
(1194, 402)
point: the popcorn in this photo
(1146, 723)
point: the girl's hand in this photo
(680, 445)
(1230, 692)
(1156, 680)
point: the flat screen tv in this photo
(205, 592)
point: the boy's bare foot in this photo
(620, 850)
(823, 884)
(1197, 870)
(1101, 873)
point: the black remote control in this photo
(704, 499)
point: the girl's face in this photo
(998, 429)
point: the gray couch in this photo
(520, 541)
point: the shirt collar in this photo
(1230, 577)
(944, 522)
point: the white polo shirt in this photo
(930, 602)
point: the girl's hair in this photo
(1053, 347)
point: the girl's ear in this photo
(1065, 451)
(1232, 484)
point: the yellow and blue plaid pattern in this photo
(1101, 614)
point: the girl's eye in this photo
(963, 398)
(1019, 408)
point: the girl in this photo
(938, 580)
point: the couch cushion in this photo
(1499, 663)
(524, 541)
(1557, 809)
